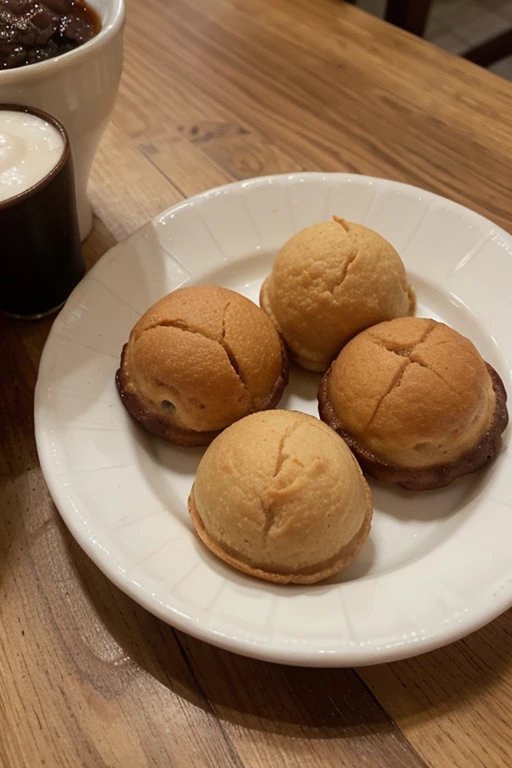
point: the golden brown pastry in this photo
(329, 282)
(415, 402)
(198, 360)
(279, 496)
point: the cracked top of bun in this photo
(413, 392)
(199, 359)
(329, 282)
(280, 496)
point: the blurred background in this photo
(458, 25)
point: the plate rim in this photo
(297, 656)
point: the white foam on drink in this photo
(29, 149)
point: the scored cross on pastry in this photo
(198, 360)
(416, 403)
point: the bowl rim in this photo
(484, 608)
(46, 68)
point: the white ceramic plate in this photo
(437, 565)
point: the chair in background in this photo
(412, 15)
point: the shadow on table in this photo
(292, 701)
(24, 504)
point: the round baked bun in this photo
(279, 496)
(198, 360)
(415, 402)
(328, 283)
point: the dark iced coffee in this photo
(36, 30)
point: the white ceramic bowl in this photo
(436, 566)
(79, 88)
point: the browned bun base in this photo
(430, 477)
(307, 576)
(155, 422)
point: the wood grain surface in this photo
(216, 90)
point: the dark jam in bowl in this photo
(37, 30)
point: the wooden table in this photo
(216, 90)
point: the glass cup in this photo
(41, 257)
